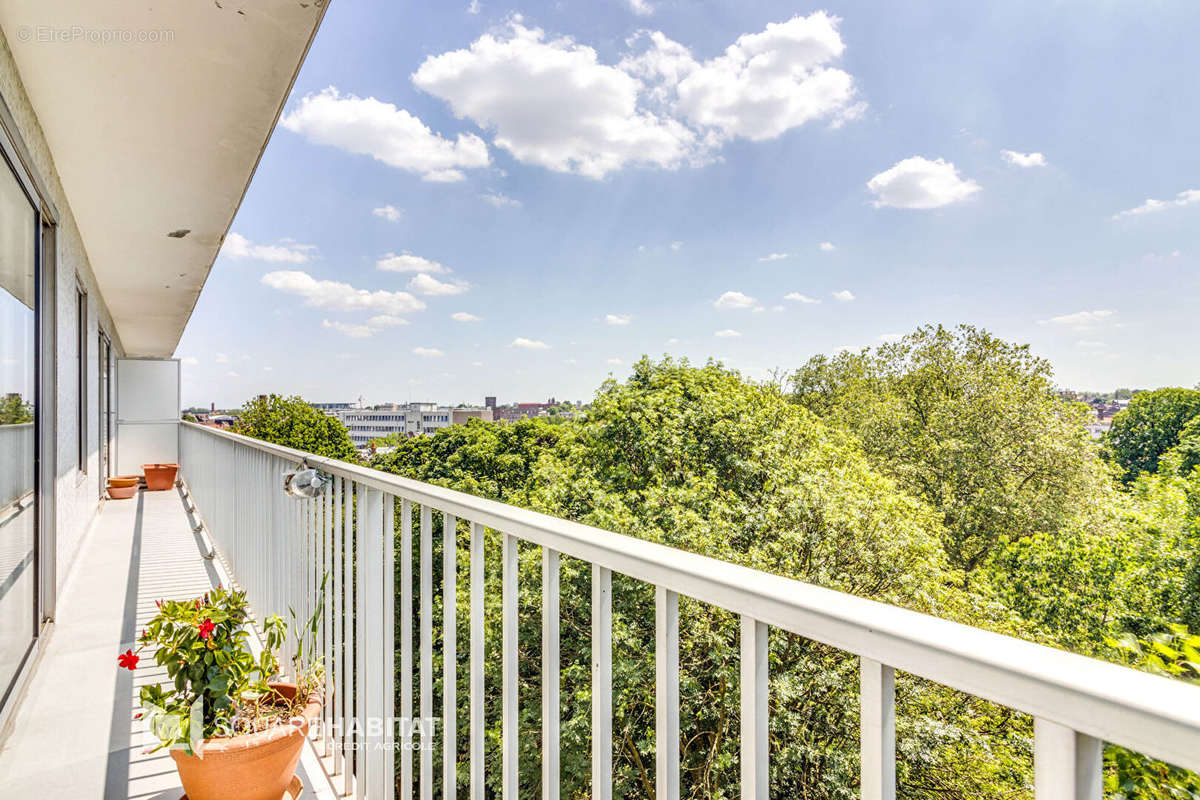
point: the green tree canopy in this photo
(292, 422)
(968, 422)
(482, 458)
(1149, 427)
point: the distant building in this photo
(330, 407)
(489, 402)
(409, 419)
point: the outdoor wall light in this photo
(304, 482)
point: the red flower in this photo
(158, 603)
(128, 660)
(206, 628)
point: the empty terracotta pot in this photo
(159, 477)
(256, 766)
(123, 487)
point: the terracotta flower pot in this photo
(122, 492)
(256, 766)
(159, 477)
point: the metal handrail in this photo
(1146, 713)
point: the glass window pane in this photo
(18, 346)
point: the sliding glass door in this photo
(18, 451)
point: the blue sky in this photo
(584, 182)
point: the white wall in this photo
(77, 491)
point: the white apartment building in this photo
(409, 419)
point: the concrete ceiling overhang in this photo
(156, 113)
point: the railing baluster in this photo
(363, 609)
(406, 649)
(334, 698)
(666, 695)
(348, 732)
(377, 683)
(509, 697)
(755, 772)
(327, 613)
(877, 729)
(601, 683)
(449, 656)
(426, 689)
(389, 642)
(406, 667)
(550, 676)
(477, 585)
(1066, 765)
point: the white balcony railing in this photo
(1077, 703)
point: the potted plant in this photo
(234, 730)
(159, 477)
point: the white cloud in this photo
(221, 358)
(1081, 319)
(268, 369)
(499, 200)
(463, 316)
(238, 246)
(427, 352)
(774, 257)
(386, 321)
(734, 300)
(763, 85)
(476, 363)
(676, 245)
(189, 361)
(673, 340)
(640, 7)
(657, 106)
(388, 212)
(348, 329)
(1023, 159)
(529, 344)
(616, 362)
(617, 319)
(889, 338)
(728, 333)
(796, 297)
(232, 374)
(430, 286)
(473, 7)
(367, 126)
(919, 183)
(337, 296)
(827, 246)
(407, 262)
(583, 117)
(844, 296)
(1184, 198)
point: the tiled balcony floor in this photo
(74, 735)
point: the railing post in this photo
(426, 669)
(449, 656)
(755, 766)
(877, 730)
(550, 676)
(510, 720)
(477, 585)
(601, 683)
(666, 695)
(376, 702)
(1066, 765)
(406, 666)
